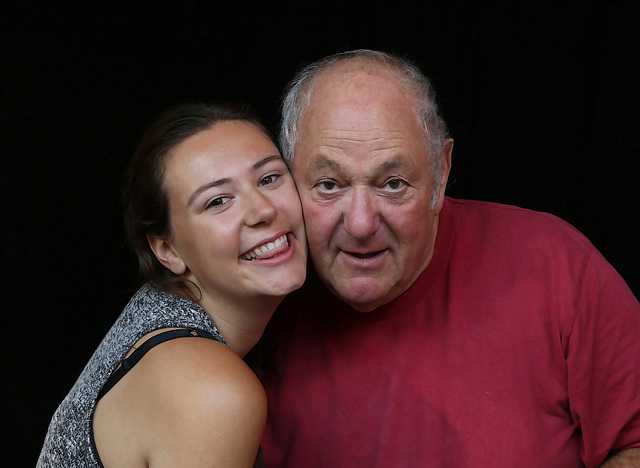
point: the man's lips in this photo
(364, 258)
(364, 255)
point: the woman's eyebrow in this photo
(207, 186)
(266, 160)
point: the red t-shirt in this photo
(517, 346)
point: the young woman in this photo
(214, 218)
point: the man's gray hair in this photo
(298, 96)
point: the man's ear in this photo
(445, 155)
(445, 159)
(445, 164)
(167, 254)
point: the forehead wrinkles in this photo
(373, 140)
(375, 150)
(372, 156)
(350, 168)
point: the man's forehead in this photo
(350, 127)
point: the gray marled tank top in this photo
(68, 442)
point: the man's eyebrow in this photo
(225, 180)
(391, 164)
(322, 162)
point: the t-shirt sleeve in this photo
(603, 362)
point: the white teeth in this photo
(252, 254)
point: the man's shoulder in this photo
(509, 220)
(487, 208)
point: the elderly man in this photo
(441, 332)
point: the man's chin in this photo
(364, 294)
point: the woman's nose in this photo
(259, 209)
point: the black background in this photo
(543, 103)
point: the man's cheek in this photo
(315, 213)
(316, 232)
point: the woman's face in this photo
(236, 222)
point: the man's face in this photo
(366, 184)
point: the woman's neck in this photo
(241, 324)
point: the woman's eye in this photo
(217, 202)
(267, 180)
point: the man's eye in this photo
(395, 184)
(270, 179)
(327, 185)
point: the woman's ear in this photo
(167, 254)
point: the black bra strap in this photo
(127, 364)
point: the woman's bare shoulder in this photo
(202, 365)
(202, 405)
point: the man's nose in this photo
(259, 209)
(361, 217)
